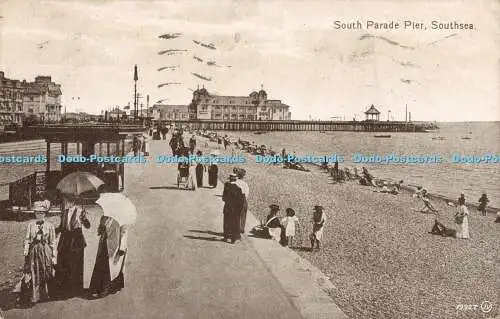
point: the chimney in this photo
(409, 116)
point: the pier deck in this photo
(353, 126)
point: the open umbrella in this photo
(118, 207)
(76, 183)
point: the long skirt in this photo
(231, 224)
(199, 175)
(69, 268)
(243, 216)
(101, 282)
(213, 172)
(463, 229)
(39, 266)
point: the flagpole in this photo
(135, 92)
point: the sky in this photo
(290, 48)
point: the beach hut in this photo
(372, 114)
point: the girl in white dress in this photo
(289, 223)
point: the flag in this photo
(135, 73)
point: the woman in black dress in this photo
(200, 168)
(213, 172)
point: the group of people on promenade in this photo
(284, 230)
(54, 256)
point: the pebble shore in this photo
(377, 250)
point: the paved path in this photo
(178, 267)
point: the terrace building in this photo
(255, 106)
(43, 99)
(11, 100)
(162, 112)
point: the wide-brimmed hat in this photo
(274, 207)
(318, 208)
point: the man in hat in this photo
(233, 203)
(319, 220)
(240, 172)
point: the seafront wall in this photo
(353, 126)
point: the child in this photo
(289, 223)
(319, 220)
(483, 202)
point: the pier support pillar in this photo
(48, 157)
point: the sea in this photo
(446, 178)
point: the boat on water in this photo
(466, 138)
(382, 136)
(259, 132)
(439, 138)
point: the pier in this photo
(352, 126)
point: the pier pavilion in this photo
(372, 114)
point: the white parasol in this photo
(76, 183)
(118, 207)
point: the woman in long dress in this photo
(213, 172)
(70, 250)
(463, 227)
(107, 276)
(200, 168)
(39, 252)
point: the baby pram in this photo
(183, 176)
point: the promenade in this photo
(178, 267)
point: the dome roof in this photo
(203, 91)
(254, 93)
(262, 92)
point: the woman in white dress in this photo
(462, 220)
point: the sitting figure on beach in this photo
(273, 224)
(318, 221)
(498, 217)
(294, 165)
(368, 177)
(356, 173)
(442, 230)
(324, 165)
(428, 207)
